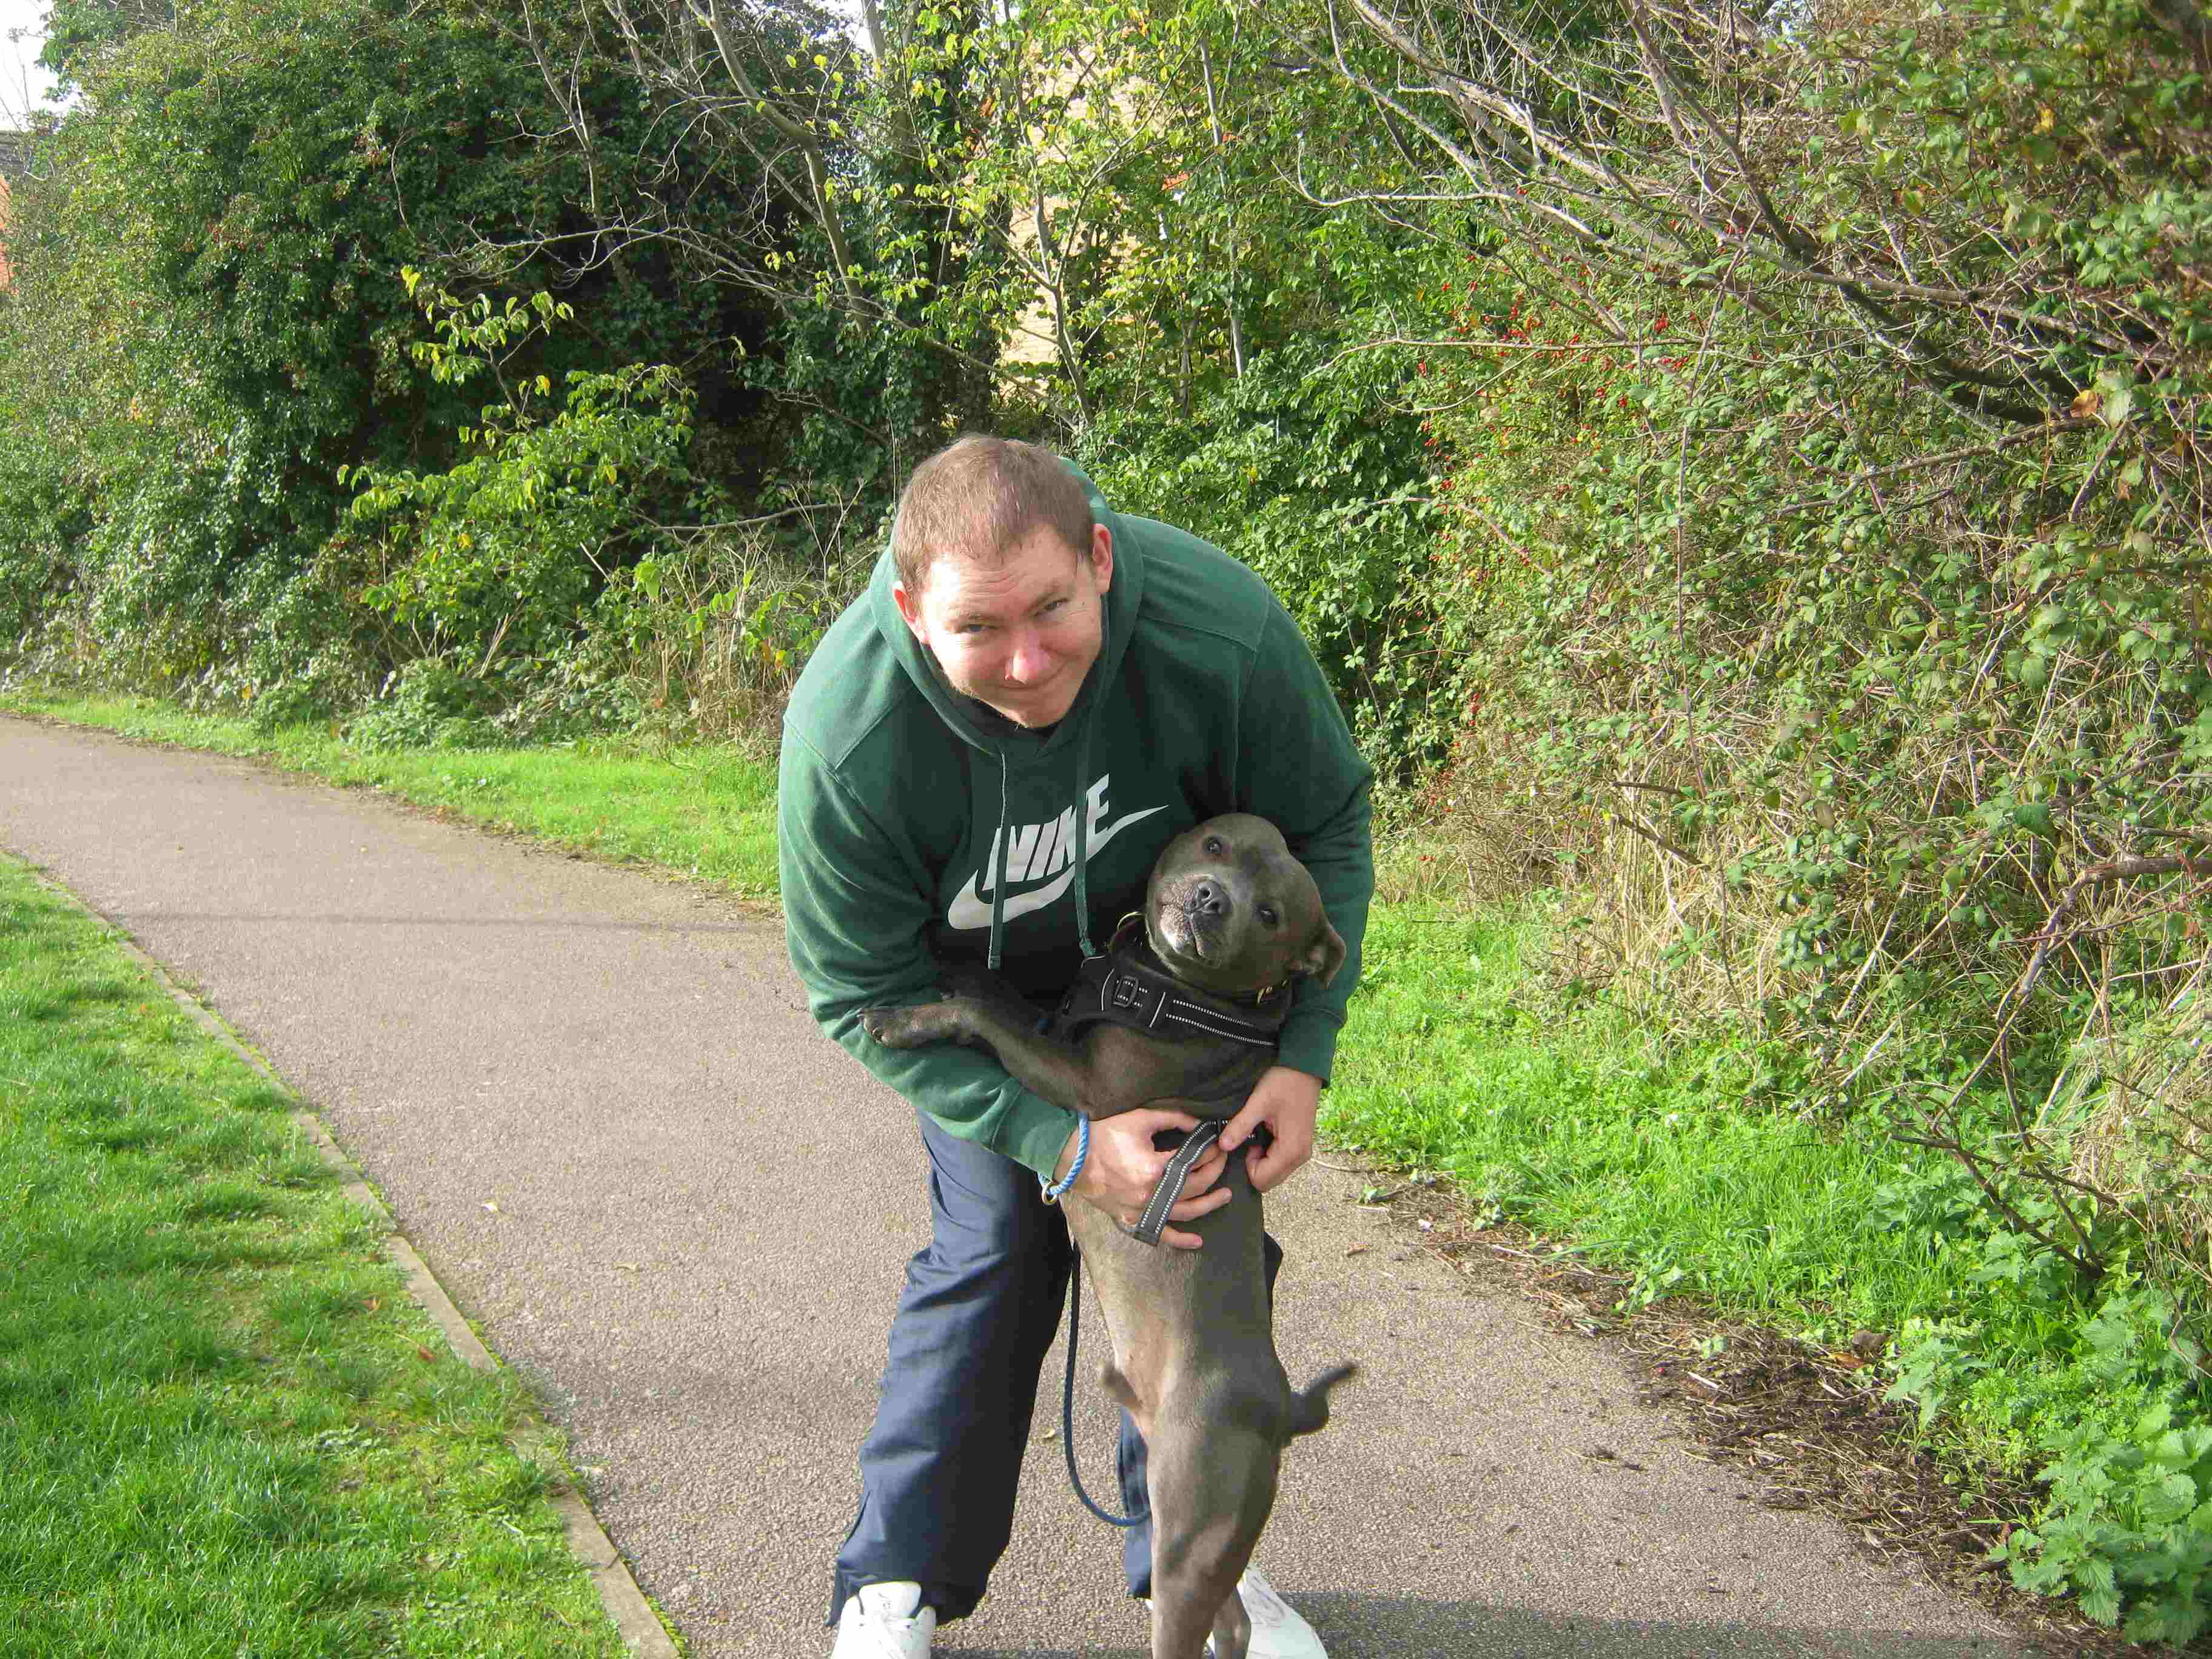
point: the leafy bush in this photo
(1310, 478)
(1832, 574)
(501, 552)
(202, 269)
(2127, 1524)
(431, 703)
(2099, 1391)
(208, 320)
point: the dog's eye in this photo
(1214, 845)
(1268, 914)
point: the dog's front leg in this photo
(1051, 1069)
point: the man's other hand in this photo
(1287, 1101)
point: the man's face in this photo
(1019, 636)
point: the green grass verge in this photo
(703, 813)
(1579, 1127)
(226, 1429)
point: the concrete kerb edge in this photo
(633, 1617)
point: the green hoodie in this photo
(900, 797)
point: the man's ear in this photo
(908, 609)
(1326, 955)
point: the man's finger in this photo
(1249, 1117)
(1204, 1173)
(1277, 1164)
(1190, 1209)
(1260, 1167)
(1153, 1119)
(1181, 1241)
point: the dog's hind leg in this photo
(1188, 1606)
(1232, 1627)
(1210, 1499)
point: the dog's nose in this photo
(1208, 899)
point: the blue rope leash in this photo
(1067, 1398)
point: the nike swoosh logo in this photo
(970, 909)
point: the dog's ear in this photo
(1325, 956)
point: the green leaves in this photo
(2129, 1528)
(1296, 473)
(501, 551)
(215, 280)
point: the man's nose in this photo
(1028, 659)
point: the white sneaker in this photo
(886, 1621)
(1278, 1632)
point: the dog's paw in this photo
(911, 1027)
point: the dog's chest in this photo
(1129, 1068)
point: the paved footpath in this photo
(594, 1102)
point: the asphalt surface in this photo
(594, 1102)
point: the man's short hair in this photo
(978, 498)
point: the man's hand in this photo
(1123, 1168)
(1287, 1101)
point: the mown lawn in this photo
(224, 1427)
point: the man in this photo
(983, 759)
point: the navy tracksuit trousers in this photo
(982, 1304)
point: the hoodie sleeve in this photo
(1301, 770)
(856, 904)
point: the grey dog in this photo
(1230, 918)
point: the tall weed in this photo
(707, 635)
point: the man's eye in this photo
(1268, 914)
(1214, 845)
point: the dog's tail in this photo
(1310, 1406)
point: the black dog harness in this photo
(1126, 985)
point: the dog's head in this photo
(1230, 911)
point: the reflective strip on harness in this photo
(1155, 1217)
(1121, 994)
